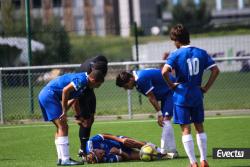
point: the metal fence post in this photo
(129, 99)
(28, 31)
(1, 99)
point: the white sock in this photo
(202, 145)
(167, 138)
(188, 144)
(63, 144)
(59, 155)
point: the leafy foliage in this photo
(196, 17)
(56, 41)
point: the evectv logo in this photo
(231, 153)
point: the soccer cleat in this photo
(194, 165)
(204, 163)
(70, 162)
(82, 155)
(172, 155)
(59, 161)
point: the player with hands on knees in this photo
(150, 83)
(56, 98)
(85, 105)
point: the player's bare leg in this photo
(201, 138)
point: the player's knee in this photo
(167, 118)
(199, 127)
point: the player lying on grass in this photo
(107, 148)
(150, 83)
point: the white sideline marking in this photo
(115, 122)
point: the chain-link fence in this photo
(70, 31)
(230, 91)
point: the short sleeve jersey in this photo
(79, 81)
(98, 142)
(189, 64)
(151, 80)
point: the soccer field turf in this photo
(33, 145)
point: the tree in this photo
(196, 17)
(56, 41)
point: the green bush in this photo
(56, 41)
(8, 55)
(114, 47)
(196, 17)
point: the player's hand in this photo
(160, 121)
(63, 117)
(78, 119)
(174, 85)
(204, 89)
(114, 150)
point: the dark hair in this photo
(101, 66)
(97, 75)
(100, 57)
(123, 78)
(180, 33)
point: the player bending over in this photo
(150, 83)
(56, 98)
(85, 105)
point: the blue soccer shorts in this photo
(188, 115)
(50, 104)
(167, 105)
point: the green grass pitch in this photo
(33, 145)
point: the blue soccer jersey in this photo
(78, 80)
(98, 142)
(189, 64)
(51, 95)
(151, 80)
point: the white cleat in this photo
(172, 155)
(70, 162)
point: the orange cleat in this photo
(194, 165)
(204, 163)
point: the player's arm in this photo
(154, 102)
(166, 76)
(123, 156)
(112, 137)
(213, 75)
(65, 97)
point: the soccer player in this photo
(150, 83)
(189, 64)
(55, 100)
(85, 105)
(109, 148)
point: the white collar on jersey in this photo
(185, 46)
(135, 75)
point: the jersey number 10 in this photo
(193, 66)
